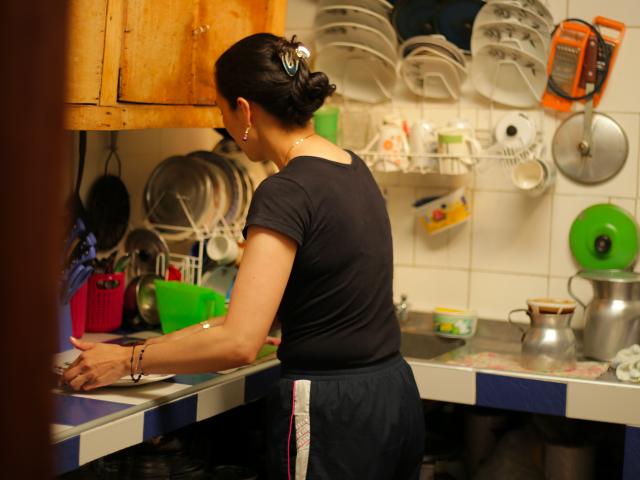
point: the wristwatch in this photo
(205, 324)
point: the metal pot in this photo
(549, 344)
(612, 318)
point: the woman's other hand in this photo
(98, 365)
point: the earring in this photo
(245, 135)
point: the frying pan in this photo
(108, 203)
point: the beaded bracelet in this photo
(133, 349)
(137, 379)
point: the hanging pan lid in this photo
(606, 154)
(604, 237)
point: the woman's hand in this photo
(98, 365)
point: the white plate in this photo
(520, 36)
(381, 7)
(219, 279)
(355, 33)
(363, 16)
(430, 76)
(435, 52)
(358, 72)
(437, 42)
(534, 6)
(505, 12)
(509, 76)
(151, 378)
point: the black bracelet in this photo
(137, 379)
(133, 349)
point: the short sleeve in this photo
(280, 204)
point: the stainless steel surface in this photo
(146, 299)
(426, 345)
(402, 310)
(178, 177)
(144, 246)
(612, 318)
(607, 151)
(549, 344)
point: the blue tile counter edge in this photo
(170, 416)
(161, 415)
(66, 455)
(524, 394)
(632, 454)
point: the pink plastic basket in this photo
(78, 305)
(104, 302)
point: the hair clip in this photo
(291, 59)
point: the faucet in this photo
(402, 310)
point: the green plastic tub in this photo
(182, 304)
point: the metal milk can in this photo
(549, 344)
(612, 318)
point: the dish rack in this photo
(191, 266)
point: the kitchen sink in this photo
(426, 345)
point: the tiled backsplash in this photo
(514, 246)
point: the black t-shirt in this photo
(337, 310)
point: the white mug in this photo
(459, 145)
(393, 146)
(222, 249)
(533, 176)
(423, 140)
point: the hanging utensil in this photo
(590, 147)
(108, 203)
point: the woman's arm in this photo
(184, 332)
(257, 292)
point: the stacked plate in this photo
(202, 185)
(356, 47)
(432, 67)
(510, 46)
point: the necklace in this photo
(295, 144)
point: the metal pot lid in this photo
(604, 237)
(619, 276)
(608, 151)
(144, 246)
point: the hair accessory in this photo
(245, 135)
(291, 59)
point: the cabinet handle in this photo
(199, 30)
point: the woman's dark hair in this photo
(252, 68)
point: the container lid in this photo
(619, 276)
(604, 237)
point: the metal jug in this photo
(549, 344)
(612, 318)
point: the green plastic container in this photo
(182, 304)
(325, 122)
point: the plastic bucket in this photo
(182, 304)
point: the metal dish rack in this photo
(191, 266)
(445, 164)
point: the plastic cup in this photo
(325, 122)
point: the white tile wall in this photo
(428, 288)
(511, 232)
(627, 11)
(493, 295)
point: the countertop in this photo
(91, 425)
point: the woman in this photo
(319, 257)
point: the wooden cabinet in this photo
(149, 63)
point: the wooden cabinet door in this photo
(221, 23)
(156, 63)
(86, 20)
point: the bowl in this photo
(454, 323)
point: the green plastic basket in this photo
(182, 304)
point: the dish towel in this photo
(627, 364)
